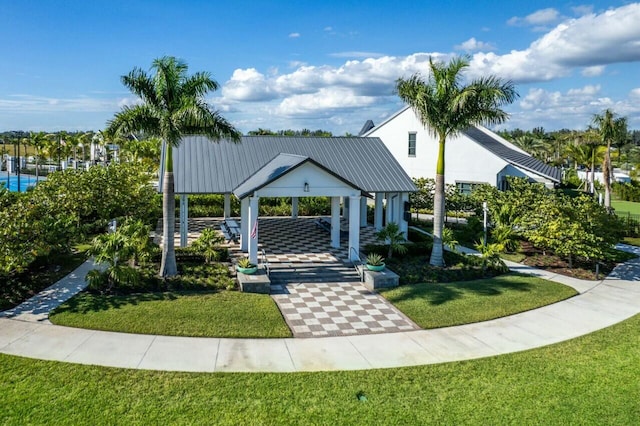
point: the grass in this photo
(447, 304)
(589, 380)
(213, 314)
(626, 206)
(634, 241)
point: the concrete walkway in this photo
(599, 305)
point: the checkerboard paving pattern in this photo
(314, 309)
(338, 309)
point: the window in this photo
(466, 187)
(412, 144)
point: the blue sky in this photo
(311, 64)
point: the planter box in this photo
(384, 279)
(254, 283)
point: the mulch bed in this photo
(581, 269)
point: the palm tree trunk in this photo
(593, 173)
(438, 209)
(606, 176)
(168, 265)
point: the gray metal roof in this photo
(368, 125)
(512, 156)
(201, 166)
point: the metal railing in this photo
(265, 262)
(360, 271)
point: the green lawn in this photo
(221, 314)
(441, 305)
(589, 380)
(626, 206)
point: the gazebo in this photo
(349, 170)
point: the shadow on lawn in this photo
(85, 303)
(438, 294)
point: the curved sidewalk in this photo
(599, 305)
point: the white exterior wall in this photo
(465, 159)
(320, 184)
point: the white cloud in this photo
(362, 88)
(635, 93)
(356, 54)
(537, 18)
(593, 71)
(473, 45)
(583, 9)
(247, 85)
(588, 90)
(572, 109)
(589, 41)
(324, 101)
(328, 29)
(30, 103)
(294, 35)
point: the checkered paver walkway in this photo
(338, 309)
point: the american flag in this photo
(254, 231)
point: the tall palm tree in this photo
(611, 129)
(446, 107)
(173, 105)
(39, 142)
(587, 155)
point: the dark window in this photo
(412, 144)
(466, 187)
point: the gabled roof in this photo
(518, 159)
(276, 168)
(204, 167)
(498, 148)
(368, 125)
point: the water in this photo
(11, 181)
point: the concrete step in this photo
(306, 273)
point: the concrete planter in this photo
(376, 268)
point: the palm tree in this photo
(529, 143)
(446, 107)
(173, 105)
(611, 130)
(585, 154)
(38, 141)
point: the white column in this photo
(388, 216)
(377, 213)
(184, 219)
(227, 205)
(294, 207)
(335, 222)
(363, 212)
(404, 225)
(244, 224)
(354, 227)
(253, 229)
(397, 214)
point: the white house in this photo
(477, 155)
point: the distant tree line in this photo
(291, 132)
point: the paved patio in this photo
(314, 285)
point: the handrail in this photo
(265, 262)
(360, 271)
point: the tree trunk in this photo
(438, 210)
(606, 177)
(168, 266)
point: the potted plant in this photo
(375, 262)
(246, 267)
